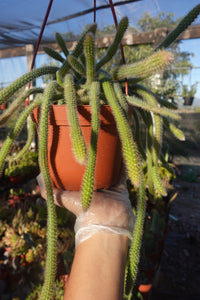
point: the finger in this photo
(41, 183)
(70, 200)
(67, 199)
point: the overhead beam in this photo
(152, 37)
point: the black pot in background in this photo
(188, 100)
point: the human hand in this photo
(110, 210)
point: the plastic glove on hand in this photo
(110, 210)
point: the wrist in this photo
(106, 243)
(86, 232)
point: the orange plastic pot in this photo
(65, 171)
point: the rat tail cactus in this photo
(82, 80)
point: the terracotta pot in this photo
(65, 171)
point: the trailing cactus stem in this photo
(138, 134)
(89, 50)
(134, 253)
(161, 111)
(31, 132)
(174, 130)
(7, 92)
(129, 147)
(78, 50)
(122, 27)
(76, 65)
(16, 103)
(88, 179)
(15, 132)
(50, 270)
(62, 44)
(150, 98)
(182, 26)
(121, 98)
(157, 180)
(149, 156)
(78, 142)
(144, 68)
(52, 53)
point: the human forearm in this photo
(98, 268)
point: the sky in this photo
(11, 68)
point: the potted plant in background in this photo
(82, 81)
(189, 93)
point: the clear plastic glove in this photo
(110, 210)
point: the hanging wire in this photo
(41, 33)
(95, 9)
(121, 46)
(38, 42)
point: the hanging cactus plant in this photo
(80, 80)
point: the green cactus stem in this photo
(79, 147)
(174, 130)
(82, 59)
(54, 54)
(149, 155)
(157, 180)
(184, 23)
(31, 133)
(122, 27)
(121, 98)
(88, 179)
(134, 253)
(144, 68)
(128, 282)
(16, 103)
(62, 44)
(50, 268)
(7, 92)
(77, 65)
(78, 50)
(167, 104)
(151, 99)
(129, 146)
(137, 132)
(89, 51)
(15, 132)
(133, 100)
